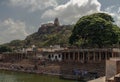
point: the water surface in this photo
(9, 76)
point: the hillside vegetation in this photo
(50, 35)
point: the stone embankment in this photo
(65, 69)
(30, 68)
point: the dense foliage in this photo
(96, 30)
(5, 49)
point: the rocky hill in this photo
(48, 34)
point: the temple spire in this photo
(56, 22)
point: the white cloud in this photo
(73, 10)
(114, 11)
(10, 30)
(119, 10)
(33, 5)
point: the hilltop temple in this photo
(56, 23)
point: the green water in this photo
(8, 76)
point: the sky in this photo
(20, 18)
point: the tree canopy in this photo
(95, 30)
(5, 49)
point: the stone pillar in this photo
(88, 55)
(64, 56)
(100, 56)
(69, 56)
(73, 56)
(106, 55)
(18, 56)
(83, 56)
(115, 54)
(78, 56)
(112, 54)
(94, 55)
(118, 54)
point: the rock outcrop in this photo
(50, 34)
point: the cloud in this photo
(33, 5)
(71, 11)
(114, 11)
(11, 30)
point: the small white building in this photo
(53, 53)
(55, 57)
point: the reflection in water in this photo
(8, 76)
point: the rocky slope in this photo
(48, 34)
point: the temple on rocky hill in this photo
(56, 22)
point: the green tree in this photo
(96, 30)
(16, 43)
(5, 49)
